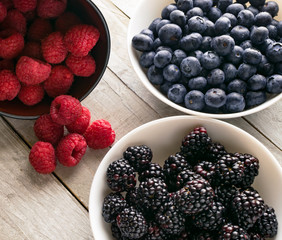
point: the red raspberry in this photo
(71, 149)
(99, 134)
(81, 38)
(11, 46)
(81, 66)
(42, 157)
(30, 16)
(66, 21)
(25, 5)
(32, 71)
(53, 48)
(51, 8)
(3, 12)
(65, 109)
(39, 29)
(48, 131)
(33, 50)
(9, 85)
(31, 94)
(81, 123)
(7, 64)
(59, 81)
(15, 20)
(7, 3)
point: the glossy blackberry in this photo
(120, 176)
(230, 232)
(205, 235)
(155, 232)
(132, 223)
(113, 204)
(215, 151)
(256, 236)
(206, 170)
(195, 144)
(131, 196)
(225, 195)
(139, 157)
(247, 207)
(115, 231)
(184, 177)
(153, 170)
(194, 197)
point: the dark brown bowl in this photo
(82, 86)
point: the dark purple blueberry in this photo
(237, 86)
(271, 7)
(190, 67)
(278, 68)
(191, 42)
(167, 10)
(165, 86)
(235, 102)
(235, 8)
(255, 98)
(196, 11)
(155, 75)
(147, 59)
(263, 47)
(279, 28)
(177, 56)
(230, 72)
(197, 83)
(171, 73)
(162, 58)
(148, 32)
(215, 97)
(223, 44)
(256, 82)
(236, 55)
(184, 5)
(232, 18)
(214, 14)
(142, 42)
(216, 77)
(194, 100)
(272, 31)
(259, 35)
(223, 4)
(178, 17)
(240, 33)
(210, 60)
(170, 34)
(197, 54)
(205, 5)
(222, 25)
(197, 24)
(253, 9)
(246, 44)
(245, 18)
(210, 31)
(245, 71)
(206, 44)
(257, 3)
(176, 93)
(162, 47)
(153, 25)
(274, 84)
(274, 52)
(263, 19)
(252, 56)
(157, 43)
(265, 67)
(162, 23)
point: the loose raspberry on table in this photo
(81, 38)
(48, 131)
(71, 149)
(32, 71)
(59, 81)
(25, 5)
(65, 109)
(81, 66)
(42, 157)
(39, 29)
(31, 94)
(7, 64)
(3, 11)
(9, 85)
(100, 134)
(15, 20)
(66, 21)
(53, 48)
(32, 49)
(51, 8)
(11, 46)
(81, 123)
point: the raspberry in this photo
(3, 11)
(8, 3)
(71, 149)
(33, 50)
(42, 157)
(51, 8)
(25, 5)
(81, 38)
(30, 16)
(53, 48)
(59, 81)
(65, 109)
(11, 46)
(9, 85)
(99, 134)
(81, 123)
(48, 131)
(81, 66)
(15, 20)
(66, 21)
(31, 94)
(32, 71)
(39, 29)
(7, 64)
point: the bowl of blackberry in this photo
(220, 59)
(202, 179)
(49, 48)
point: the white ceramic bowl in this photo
(148, 10)
(164, 137)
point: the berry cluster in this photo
(43, 47)
(200, 192)
(214, 56)
(69, 149)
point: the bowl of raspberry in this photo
(209, 58)
(49, 48)
(202, 179)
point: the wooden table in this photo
(55, 206)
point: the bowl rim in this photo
(142, 76)
(108, 39)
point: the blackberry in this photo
(251, 165)
(155, 232)
(205, 235)
(225, 195)
(120, 176)
(247, 207)
(229, 170)
(131, 196)
(153, 170)
(195, 144)
(212, 218)
(115, 231)
(184, 177)
(215, 151)
(132, 223)
(206, 170)
(139, 157)
(256, 236)
(230, 232)
(113, 204)
(194, 197)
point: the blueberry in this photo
(246, 44)
(184, 5)
(214, 14)
(171, 73)
(205, 5)
(257, 3)
(178, 17)
(142, 42)
(222, 25)
(263, 19)
(252, 56)
(245, 71)
(216, 77)
(279, 28)
(147, 59)
(230, 71)
(149, 33)
(160, 48)
(157, 42)
(223, 45)
(210, 30)
(256, 82)
(235, 8)
(232, 18)
(197, 54)
(165, 86)
(263, 47)
(215, 97)
(274, 52)
(197, 83)
(255, 98)
(167, 10)
(206, 44)
(197, 24)
(238, 86)
(274, 22)
(161, 24)
(271, 7)
(162, 58)
(191, 42)
(176, 93)
(170, 34)
(177, 56)
(253, 9)
(274, 84)
(194, 100)
(240, 33)
(278, 68)
(265, 67)
(235, 102)
(210, 60)
(223, 4)
(259, 35)
(153, 25)
(155, 75)
(246, 18)
(196, 11)
(190, 67)
(236, 55)
(272, 31)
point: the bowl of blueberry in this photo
(209, 58)
(203, 179)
